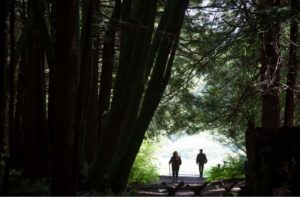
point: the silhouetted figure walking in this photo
(201, 160)
(176, 162)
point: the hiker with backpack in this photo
(201, 160)
(175, 161)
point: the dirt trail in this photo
(185, 179)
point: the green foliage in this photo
(144, 170)
(232, 168)
(215, 75)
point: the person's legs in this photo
(176, 175)
(173, 174)
(200, 170)
(201, 166)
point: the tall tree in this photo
(3, 16)
(159, 77)
(64, 99)
(289, 116)
(12, 65)
(270, 64)
(86, 81)
(139, 86)
(108, 58)
(33, 111)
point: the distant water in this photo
(188, 148)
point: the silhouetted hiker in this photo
(176, 162)
(201, 160)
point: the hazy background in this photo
(188, 148)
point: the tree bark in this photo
(289, 116)
(34, 112)
(270, 69)
(90, 146)
(64, 99)
(126, 76)
(18, 120)
(3, 54)
(108, 63)
(92, 108)
(85, 87)
(260, 141)
(111, 126)
(133, 106)
(12, 145)
(19, 89)
(159, 78)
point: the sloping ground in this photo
(188, 186)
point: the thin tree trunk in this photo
(52, 18)
(86, 86)
(90, 146)
(3, 54)
(64, 99)
(20, 88)
(12, 79)
(108, 62)
(18, 120)
(289, 116)
(92, 124)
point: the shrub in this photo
(232, 168)
(144, 170)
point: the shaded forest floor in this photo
(189, 186)
(185, 186)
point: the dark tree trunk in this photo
(92, 125)
(270, 69)
(135, 110)
(18, 120)
(3, 54)
(289, 116)
(90, 145)
(108, 133)
(108, 62)
(20, 88)
(272, 160)
(12, 136)
(35, 137)
(86, 83)
(112, 126)
(108, 55)
(153, 94)
(91, 138)
(52, 19)
(64, 99)
(260, 149)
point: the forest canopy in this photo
(84, 82)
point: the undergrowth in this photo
(144, 169)
(232, 168)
